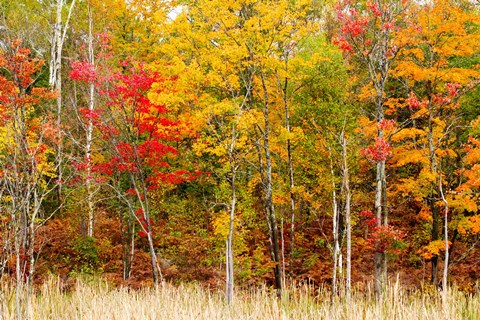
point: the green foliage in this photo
(85, 258)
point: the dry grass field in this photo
(96, 301)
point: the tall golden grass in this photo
(97, 301)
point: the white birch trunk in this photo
(89, 131)
(229, 244)
(346, 183)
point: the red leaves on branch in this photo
(413, 102)
(374, 8)
(89, 114)
(452, 89)
(383, 238)
(386, 238)
(139, 131)
(18, 101)
(385, 124)
(20, 73)
(380, 151)
(361, 26)
(354, 26)
(83, 71)
(143, 221)
(369, 219)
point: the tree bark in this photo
(55, 81)
(229, 244)
(432, 197)
(268, 190)
(346, 187)
(89, 133)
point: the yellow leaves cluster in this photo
(440, 30)
(411, 70)
(445, 153)
(403, 156)
(408, 133)
(473, 156)
(473, 177)
(366, 93)
(367, 127)
(434, 248)
(411, 187)
(469, 225)
(425, 215)
(280, 199)
(221, 224)
(463, 203)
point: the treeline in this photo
(240, 142)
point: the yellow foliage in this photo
(368, 127)
(393, 104)
(408, 133)
(411, 187)
(463, 203)
(221, 224)
(473, 156)
(475, 224)
(280, 199)
(425, 215)
(426, 175)
(473, 176)
(402, 157)
(443, 153)
(469, 225)
(434, 248)
(437, 31)
(366, 93)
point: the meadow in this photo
(97, 300)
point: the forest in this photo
(240, 144)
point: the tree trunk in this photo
(380, 270)
(89, 133)
(268, 189)
(127, 228)
(435, 236)
(142, 198)
(447, 249)
(156, 271)
(229, 244)
(55, 80)
(432, 197)
(346, 185)
(290, 171)
(335, 231)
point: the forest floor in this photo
(97, 300)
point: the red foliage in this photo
(380, 151)
(360, 26)
(83, 71)
(383, 238)
(140, 137)
(143, 222)
(374, 8)
(369, 219)
(413, 102)
(452, 89)
(386, 124)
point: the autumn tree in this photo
(366, 34)
(27, 172)
(327, 148)
(439, 40)
(139, 133)
(257, 57)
